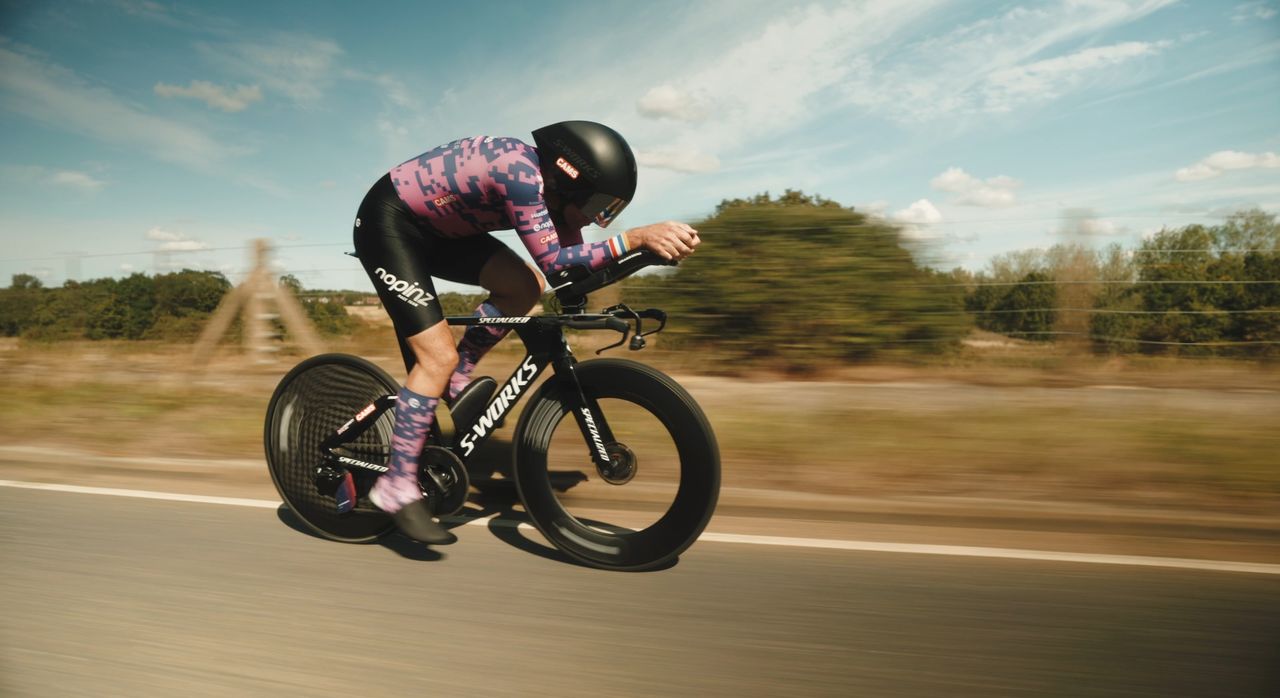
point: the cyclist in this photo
(433, 215)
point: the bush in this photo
(801, 282)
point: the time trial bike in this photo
(614, 425)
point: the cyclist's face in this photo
(564, 215)
(574, 217)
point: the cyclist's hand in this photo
(670, 240)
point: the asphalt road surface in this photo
(111, 596)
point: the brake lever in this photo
(626, 333)
(622, 310)
(652, 314)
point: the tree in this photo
(802, 282)
(189, 292)
(18, 304)
(1027, 309)
(291, 282)
(1189, 295)
(25, 281)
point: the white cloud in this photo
(171, 241)
(917, 219)
(58, 97)
(216, 96)
(1086, 223)
(79, 180)
(1251, 11)
(667, 102)
(182, 246)
(922, 213)
(772, 80)
(1225, 160)
(995, 192)
(687, 161)
(35, 174)
(299, 66)
(999, 63)
(1050, 78)
(163, 235)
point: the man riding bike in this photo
(433, 215)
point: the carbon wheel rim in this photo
(311, 402)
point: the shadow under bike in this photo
(332, 415)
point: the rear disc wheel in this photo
(310, 403)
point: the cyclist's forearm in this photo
(551, 258)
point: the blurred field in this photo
(1004, 426)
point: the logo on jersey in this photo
(568, 169)
(412, 294)
(445, 200)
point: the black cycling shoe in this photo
(414, 520)
(471, 401)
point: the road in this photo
(112, 596)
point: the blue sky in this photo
(140, 135)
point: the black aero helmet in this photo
(590, 165)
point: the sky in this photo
(147, 136)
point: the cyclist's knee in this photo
(434, 349)
(513, 285)
(518, 292)
(529, 288)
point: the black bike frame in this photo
(544, 340)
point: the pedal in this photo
(471, 401)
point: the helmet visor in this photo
(603, 208)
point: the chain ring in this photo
(443, 479)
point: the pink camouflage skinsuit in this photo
(478, 185)
(464, 188)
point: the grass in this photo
(888, 430)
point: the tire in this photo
(695, 473)
(312, 400)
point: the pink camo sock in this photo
(399, 485)
(476, 342)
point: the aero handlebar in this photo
(573, 284)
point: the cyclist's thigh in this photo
(461, 259)
(396, 254)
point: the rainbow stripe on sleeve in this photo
(618, 245)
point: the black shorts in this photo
(401, 254)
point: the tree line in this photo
(1194, 290)
(800, 281)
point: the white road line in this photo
(1010, 553)
(142, 494)
(822, 543)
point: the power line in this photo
(175, 251)
(1228, 282)
(1100, 311)
(1106, 338)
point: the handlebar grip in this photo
(598, 323)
